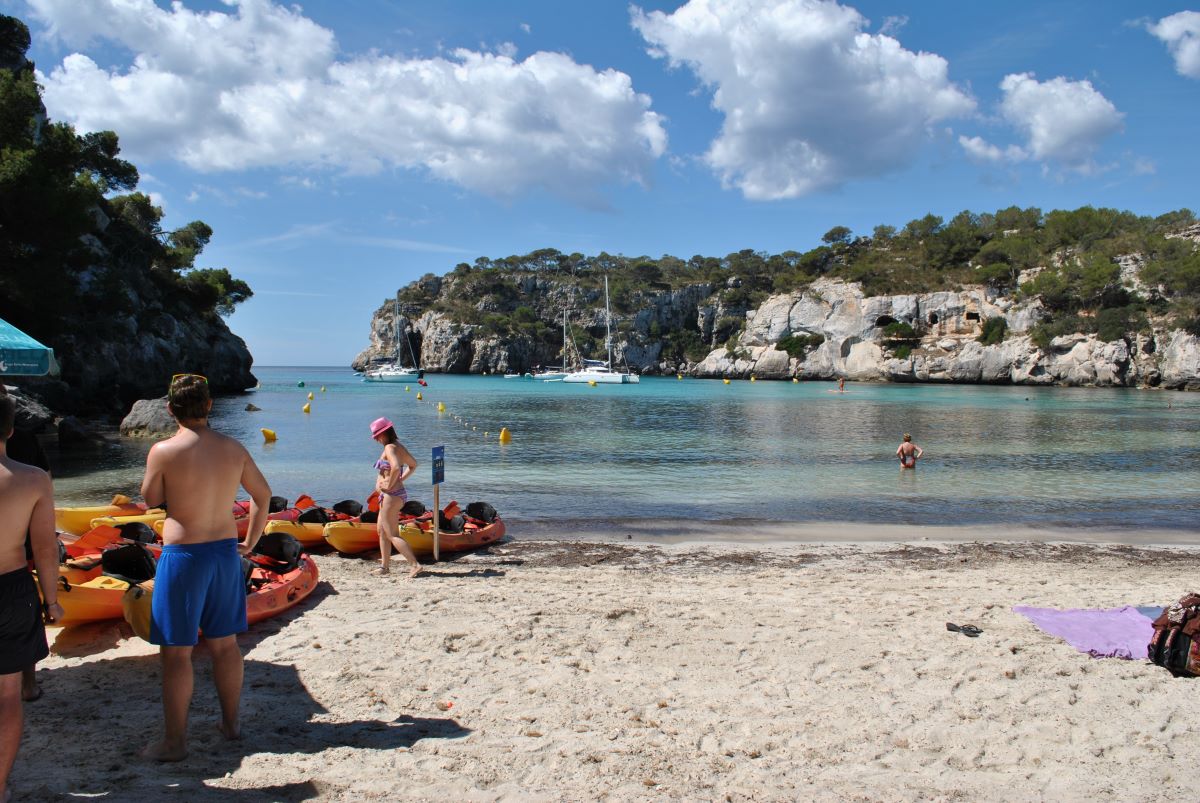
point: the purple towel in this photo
(1112, 633)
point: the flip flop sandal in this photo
(966, 630)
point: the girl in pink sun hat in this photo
(394, 466)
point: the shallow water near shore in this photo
(697, 452)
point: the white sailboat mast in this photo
(396, 329)
(607, 324)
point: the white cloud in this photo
(982, 151)
(810, 100)
(1064, 121)
(261, 86)
(1064, 124)
(1181, 33)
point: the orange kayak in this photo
(276, 595)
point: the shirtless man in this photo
(26, 508)
(199, 583)
(908, 452)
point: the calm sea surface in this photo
(691, 449)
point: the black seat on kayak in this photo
(370, 517)
(283, 550)
(453, 524)
(413, 507)
(482, 511)
(137, 531)
(314, 515)
(278, 504)
(132, 563)
(348, 507)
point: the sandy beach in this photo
(606, 670)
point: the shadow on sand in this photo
(82, 738)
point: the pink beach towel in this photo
(1111, 633)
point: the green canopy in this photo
(21, 355)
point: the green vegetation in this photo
(993, 332)
(72, 246)
(798, 346)
(899, 330)
(1068, 258)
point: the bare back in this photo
(26, 506)
(196, 473)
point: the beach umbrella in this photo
(21, 355)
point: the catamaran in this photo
(394, 371)
(598, 371)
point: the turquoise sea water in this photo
(702, 450)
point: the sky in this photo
(342, 148)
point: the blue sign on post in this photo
(439, 465)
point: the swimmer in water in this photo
(908, 452)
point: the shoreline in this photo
(546, 669)
(742, 532)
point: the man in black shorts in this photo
(26, 508)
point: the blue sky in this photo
(342, 149)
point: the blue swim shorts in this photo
(198, 587)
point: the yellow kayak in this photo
(352, 538)
(148, 518)
(78, 520)
(309, 535)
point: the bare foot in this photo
(415, 571)
(232, 733)
(163, 751)
(382, 570)
(31, 693)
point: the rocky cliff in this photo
(851, 327)
(92, 273)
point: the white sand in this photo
(581, 671)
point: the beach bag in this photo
(481, 511)
(132, 563)
(1175, 645)
(451, 524)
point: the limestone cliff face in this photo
(855, 346)
(852, 325)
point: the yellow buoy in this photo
(268, 435)
(418, 395)
(794, 379)
(441, 407)
(592, 382)
(322, 388)
(474, 429)
(505, 435)
(752, 379)
(485, 434)
(406, 388)
(679, 376)
(310, 396)
(726, 381)
(307, 407)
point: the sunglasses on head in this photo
(203, 379)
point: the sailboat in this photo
(556, 373)
(394, 372)
(601, 372)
